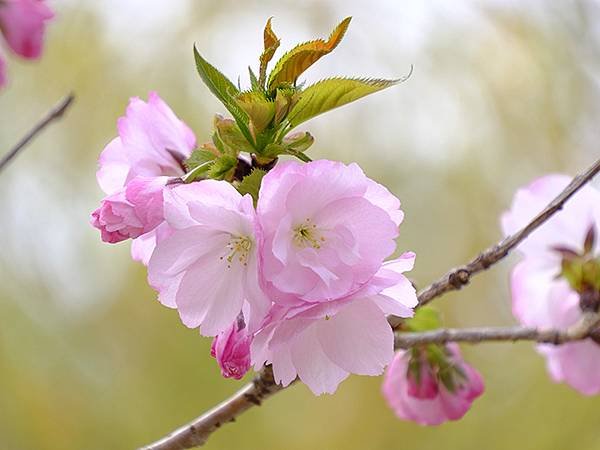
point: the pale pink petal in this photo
(358, 339)
(566, 228)
(314, 367)
(23, 23)
(577, 364)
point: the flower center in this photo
(239, 248)
(307, 235)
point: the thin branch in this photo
(55, 113)
(581, 330)
(197, 432)
(458, 277)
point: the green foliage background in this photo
(500, 94)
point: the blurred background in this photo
(502, 92)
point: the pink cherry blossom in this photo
(231, 348)
(540, 297)
(323, 342)
(152, 142)
(23, 23)
(132, 211)
(327, 229)
(426, 399)
(207, 267)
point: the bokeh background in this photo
(502, 92)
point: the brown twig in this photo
(460, 276)
(581, 330)
(55, 113)
(198, 431)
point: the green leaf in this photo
(258, 108)
(197, 158)
(425, 318)
(271, 42)
(331, 93)
(251, 184)
(296, 61)
(222, 167)
(253, 80)
(224, 90)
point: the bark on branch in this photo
(55, 113)
(458, 277)
(582, 330)
(197, 432)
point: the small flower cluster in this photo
(559, 276)
(300, 281)
(23, 24)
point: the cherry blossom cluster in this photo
(23, 24)
(291, 264)
(300, 281)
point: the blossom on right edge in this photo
(543, 295)
(429, 394)
(323, 342)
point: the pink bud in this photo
(132, 211)
(432, 401)
(23, 23)
(423, 387)
(231, 349)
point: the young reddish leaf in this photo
(271, 45)
(296, 61)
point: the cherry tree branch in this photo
(456, 278)
(197, 432)
(582, 330)
(55, 113)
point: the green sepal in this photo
(299, 141)
(198, 158)
(291, 65)
(222, 168)
(426, 318)
(230, 137)
(251, 184)
(331, 93)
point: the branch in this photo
(55, 113)
(458, 277)
(197, 432)
(582, 330)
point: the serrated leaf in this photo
(197, 158)
(299, 141)
(271, 44)
(291, 65)
(331, 93)
(251, 184)
(253, 80)
(222, 167)
(224, 90)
